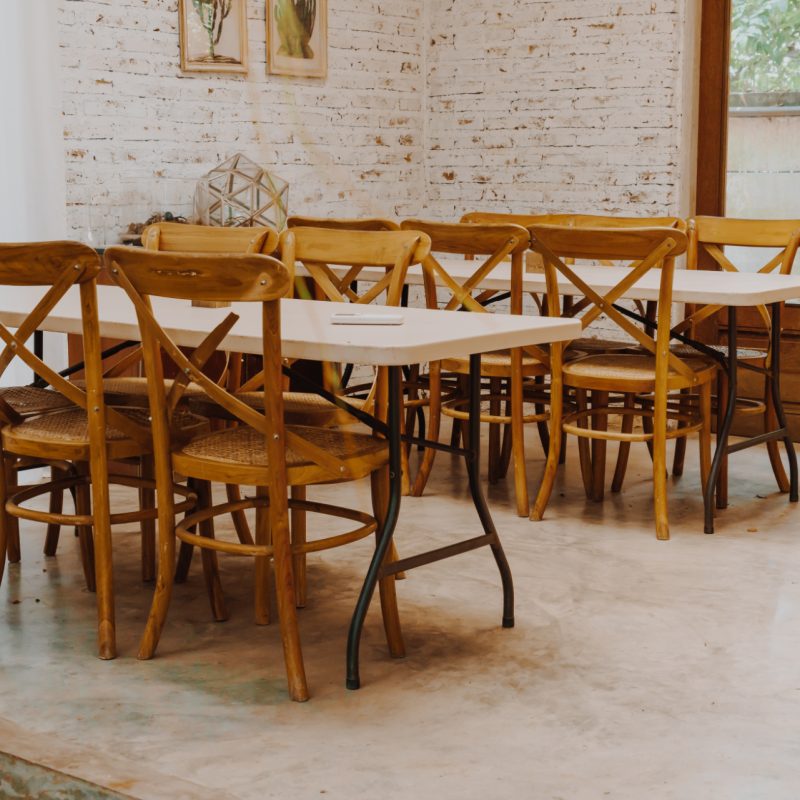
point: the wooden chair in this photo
(656, 371)
(344, 224)
(86, 435)
(707, 238)
(261, 452)
(507, 372)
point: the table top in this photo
(689, 286)
(306, 327)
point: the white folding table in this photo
(308, 333)
(699, 287)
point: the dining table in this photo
(309, 332)
(731, 290)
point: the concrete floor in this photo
(638, 669)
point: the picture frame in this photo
(297, 38)
(213, 35)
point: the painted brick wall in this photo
(568, 105)
(138, 132)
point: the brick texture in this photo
(568, 106)
(139, 133)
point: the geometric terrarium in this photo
(240, 193)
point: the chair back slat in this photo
(175, 237)
(354, 224)
(649, 248)
(710, 234)
(198, 276)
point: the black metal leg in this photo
(775, 367)
(382, 547)
(474, 468)
(723, 430)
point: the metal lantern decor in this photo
(240, 193)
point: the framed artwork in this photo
(213, 35)
(297, 38)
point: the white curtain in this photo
(33, 191)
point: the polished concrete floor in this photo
(637, 669)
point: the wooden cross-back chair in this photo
(708, 236)
(655, 371)
(262, 451)
(506, 371)
(586, 344)
(87, 434)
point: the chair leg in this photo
(103, 566)
(234, 494)
(185, 553)
(518, 435)
(624, 447)
(541, 425)
(13, 552)
(434, 427)
(379, 485)
(216, 596)
(165, 571)
(83, 506)
(722, 404)
(277, 526)
(298, 519)
(4, 517)
(584, 451)
(505, 446)
(261, 602)
(56, 506)
(147, 502)
(704, 393)
(679, 456)
(660, 464)
(773, 447)
(494, 430)
(553, 452)
(599, 446)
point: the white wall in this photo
(349, 144)
(32, 199)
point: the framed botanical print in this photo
(297, 37)
(213, 35)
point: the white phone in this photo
(365, 318)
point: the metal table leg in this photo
(378, 568)
(724, 429)
(395, 492)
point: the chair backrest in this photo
(320, 249)
(495, 242)
(354, 224)
(231, 278)
(576, 220)
(177, 237)
(710, 234)
(646, 248)
(61, 266)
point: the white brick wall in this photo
(430, 106)
(351, 144)
(566, 105)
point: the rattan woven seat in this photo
(636, 371)
(300, 408)
(225, 450)
(594, 344)
(496, 364)
(68, 430)
(29, 400)
(742, 353)
(133, 390)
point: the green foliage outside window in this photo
(765, 46)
